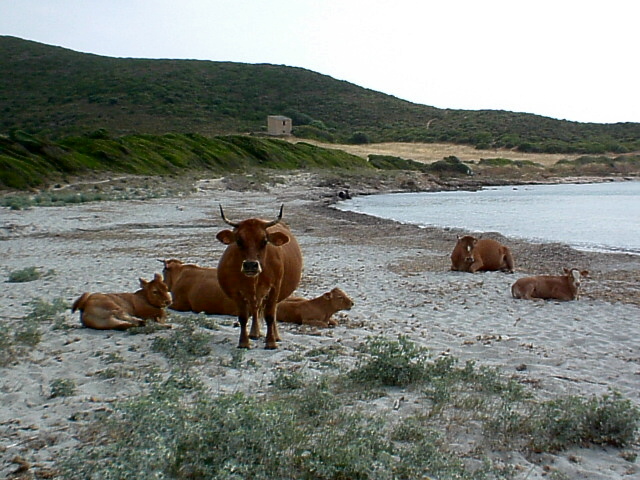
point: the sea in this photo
(603, 217)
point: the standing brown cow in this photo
(473, 254)
(261, 266)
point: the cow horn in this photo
(271, 224)
(234, 225)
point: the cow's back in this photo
(197, 289)
(292, 263)
(207, 296)
(546, 287)
(494, 255)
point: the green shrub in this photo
(28, 274)
(574, 421)
(183, 344)
(393, 363)
(302, 434)
(62, 387)
(450, 165)
(389, 162)
(313, 133)
(286, 380)
(505, 162)
(359, 138)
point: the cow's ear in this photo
(226, 236)
(565, 270)
(584, 273)
(327, 295)
(278, 238)
(143, 282)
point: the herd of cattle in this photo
(258, 271)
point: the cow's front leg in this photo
(244, 336)
(272, 327)
(475, 266)
(255, 325)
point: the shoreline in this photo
(387, 207)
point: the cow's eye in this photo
(264, 242)
(240, 243)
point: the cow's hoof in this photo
(254, 337)
(271, 346)
(244, 345)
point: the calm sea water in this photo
(599, 217)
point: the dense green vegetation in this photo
(56, 92)
(30, 161)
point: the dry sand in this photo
(398, 276)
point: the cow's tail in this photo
(80, 302)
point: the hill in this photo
(56, 92)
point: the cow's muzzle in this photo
(251, 268)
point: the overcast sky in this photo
(573, 60)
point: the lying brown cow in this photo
(473, 254)
(196, 289)
(260, 267)
(119, 311)
(316, 312)
(559, 287)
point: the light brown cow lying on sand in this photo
(316, 312)
(559, 287)
(196, 289)
(119, 311)
(473, 254)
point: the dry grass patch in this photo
(432, 152)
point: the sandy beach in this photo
(398, 276)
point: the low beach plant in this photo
(29, 333)
(28, 274)
(391, 363)
(575, 421)
(324, 428)
(62, 387)
(183, 345)
(301, 433)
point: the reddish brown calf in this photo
(119, 311)
(316, 312)
(558, 287)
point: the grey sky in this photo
(566, 59)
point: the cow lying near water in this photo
(473, 254)
(119, 311)
(558, 287)
(316, 312)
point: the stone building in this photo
(279, 125)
